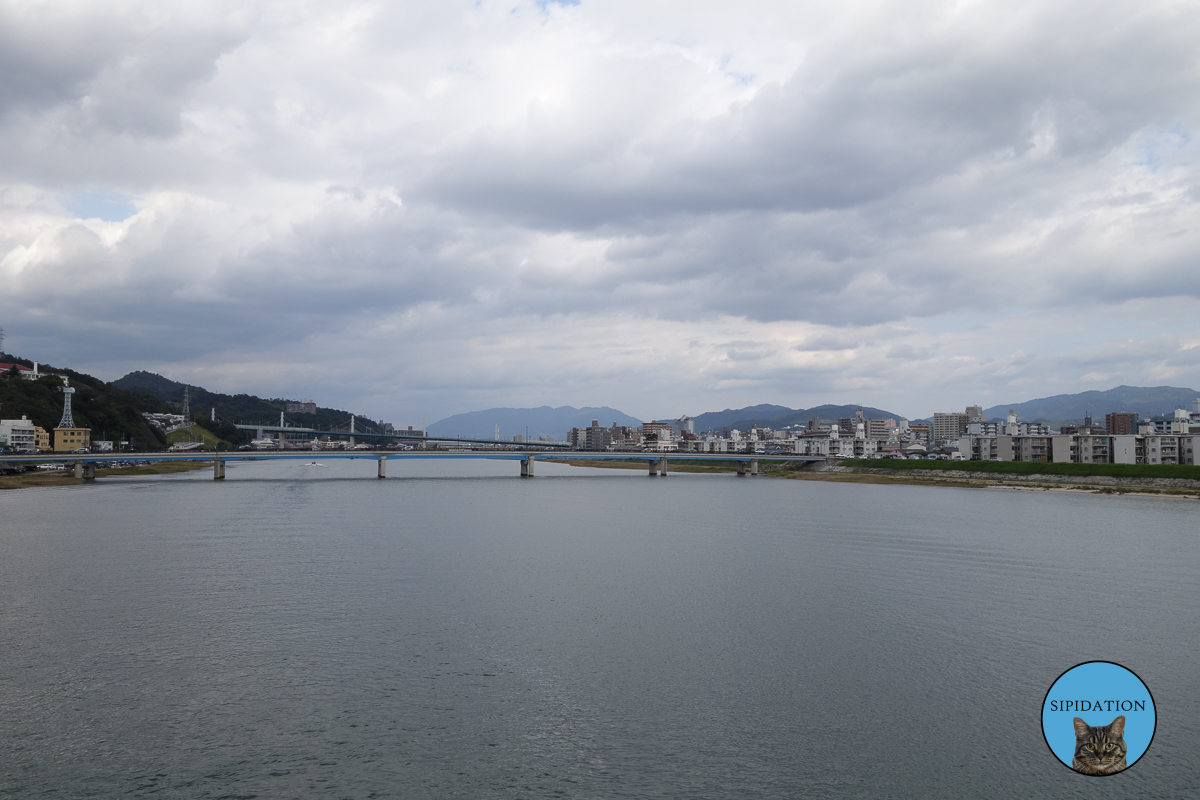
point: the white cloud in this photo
(417, 209)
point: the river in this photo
(456, 631)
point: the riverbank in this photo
(960, 478)
(67, 477)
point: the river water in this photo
(455, 631)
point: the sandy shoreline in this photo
(1087, 484)
(31, 478)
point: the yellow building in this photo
(41, 439)
(68, 439)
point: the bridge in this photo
(282, 430)
(657, 463)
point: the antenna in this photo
(67, 420)
(1, 338)
(187, 407)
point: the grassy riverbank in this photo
(67, 477)
(1182, 471)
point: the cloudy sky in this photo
(419, 209)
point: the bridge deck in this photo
(375, 455)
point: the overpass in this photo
(397, 437)
(657, 463)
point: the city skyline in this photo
(421, 211)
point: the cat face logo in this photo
(1098, 718)
(1100, 750)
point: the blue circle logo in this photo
(1098, 718)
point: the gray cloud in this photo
(466, 204)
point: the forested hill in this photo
(245, 409)
(113, 413)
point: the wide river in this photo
(457, 632)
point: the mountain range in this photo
(1147, 401)
(146, 390)
(776, 417)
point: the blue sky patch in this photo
(108, 206)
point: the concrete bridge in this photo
(657, 463)
(281, 430)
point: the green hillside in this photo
(244, 409)
(112, 413)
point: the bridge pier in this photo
(741, 468)
(218, 468)
(84, 471)
(662, 466)
(383, 466)
(653, 467)
(527, 467)
(754, 467)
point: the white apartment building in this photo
(18, 434)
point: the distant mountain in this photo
(776, 417)
(544, 421)
(716, 420)
(1146, 401)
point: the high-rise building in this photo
(597, 437)
(948, 427)
(1121, 423)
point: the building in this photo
(625, 433)
(920, 432)
(67, 440)
(975, 414)
(1154, 449)
(30, 374)
(663, 430)
(22, 370)
(1082, 448)
(303, 407)
(879, 428)
(596, 437)
(42, 437)
(948, 427)
(18, 434)
(1121, 423)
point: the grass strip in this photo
(1185, 471)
